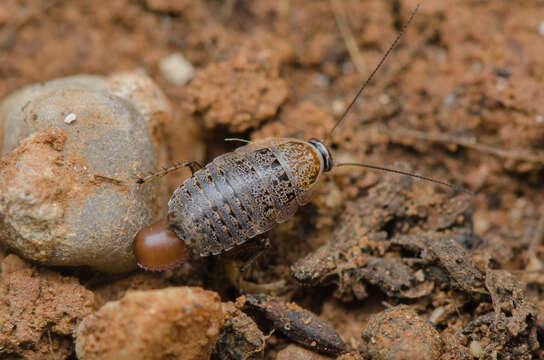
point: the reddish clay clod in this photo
(157, 248)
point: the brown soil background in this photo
(460, 99)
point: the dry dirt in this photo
(460, 99)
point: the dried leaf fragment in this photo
(298, 324)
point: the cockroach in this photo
(242, 194)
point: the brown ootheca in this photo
(241, 194)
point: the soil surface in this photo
(459, 99)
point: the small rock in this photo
(475, 349)
(39, 305)
(70, 118)
(295, 352)
(399, 333)
(176, 69)
(437, 316)
(50, 210)
(173, 323)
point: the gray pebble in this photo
(50, 209)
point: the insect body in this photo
(244, 193)
(236, 197)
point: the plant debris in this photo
(298, 324)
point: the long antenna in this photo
(403, 30)
(421, 177)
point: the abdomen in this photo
(238, 196)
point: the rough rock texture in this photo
(51, 210)
(172, 323)
(39, 310)
(399, 333)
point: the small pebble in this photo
(420, 275)
(437, 315)
(70, 118)
(176, 69)
(399, 333)
(170, 323)
(475, 349)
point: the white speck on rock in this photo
(176, 69)
(541, 28)
(70, 118)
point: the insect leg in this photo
(234, 276)
(193, 165)
(264, 244)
